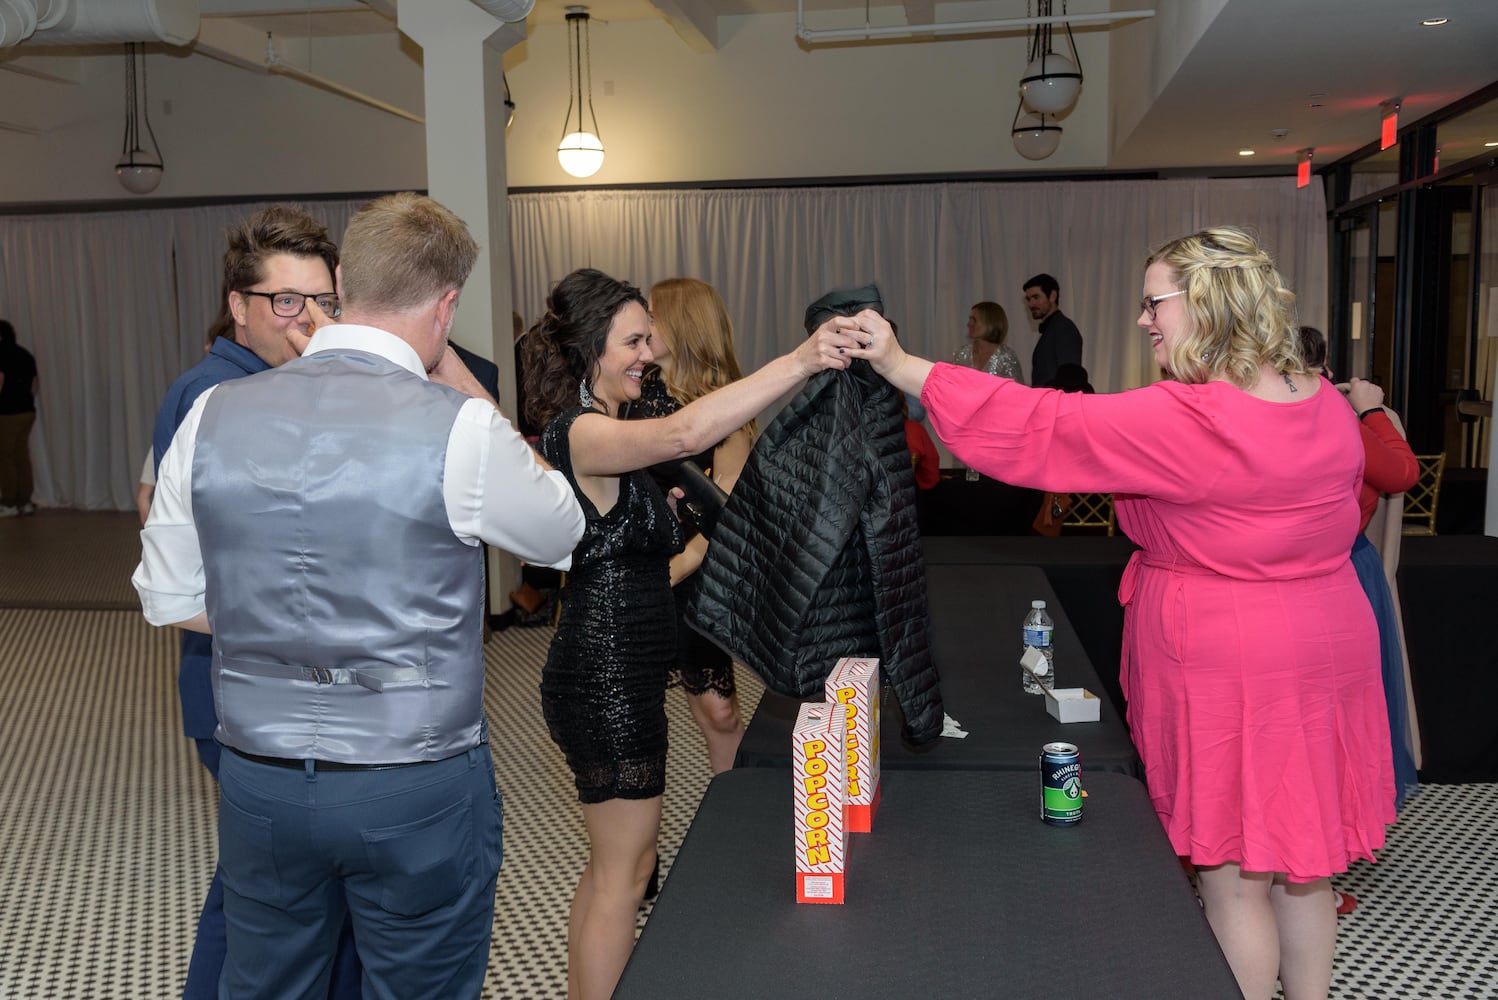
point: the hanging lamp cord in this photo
(587, 22)
(573, 84)
(145, 108)
(127, 149)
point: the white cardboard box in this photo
(821, 836)
(1072, 705)
(854, 683)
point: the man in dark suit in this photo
(1060, 340)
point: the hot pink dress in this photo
(1250, 659)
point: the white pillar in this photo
(463, 58)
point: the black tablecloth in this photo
(961, 891)
(976, 612)
(956, 506)
(1083, 570)
(1448, 590)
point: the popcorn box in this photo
(818, 766)
(854, 682)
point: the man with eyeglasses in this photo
(1060, 341)
(278, 278)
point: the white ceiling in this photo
(1260, 63)
(1257, 68)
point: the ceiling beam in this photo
(55, 69)
(233, 42)
(694, 20)
(920, 11)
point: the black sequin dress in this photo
(603, 690)
(701, 664)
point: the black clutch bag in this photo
(704, 498)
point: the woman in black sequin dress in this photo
(693, 345)
(603, 686)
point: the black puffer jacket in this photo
(818, 555)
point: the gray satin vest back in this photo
(346, 613)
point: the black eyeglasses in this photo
(1150, 303)
(289, 305)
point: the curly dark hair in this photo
(563, 348)
(1312, 343)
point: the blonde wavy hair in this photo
(1241, 315)
(691, 315)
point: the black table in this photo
(957, 506)
(976, 613)
(1448, 589)
(1084, 570)
(960, 891)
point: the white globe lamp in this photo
(580, 153)
(1051, 84)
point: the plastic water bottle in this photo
(1039, 631)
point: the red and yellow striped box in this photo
(821, 837)
(854, 683)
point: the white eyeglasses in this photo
(1151, 302)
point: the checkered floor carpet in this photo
(107, 822)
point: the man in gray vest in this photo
(322, 520)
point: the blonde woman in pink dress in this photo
(1250, 660)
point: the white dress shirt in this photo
(493, 487)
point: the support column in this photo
(463, 58)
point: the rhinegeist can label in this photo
(1060, 784)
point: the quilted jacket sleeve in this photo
(889, 529)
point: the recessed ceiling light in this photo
(1245, 152)
(1434, 22)
(1315, 100)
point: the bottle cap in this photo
(1037, 604)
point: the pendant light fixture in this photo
(1035, 136)
(581, 150)
(1052, 81)
(139, 170)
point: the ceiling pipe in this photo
(274, 64)
(97, 22)
(869, 32)
(17, 21)
(508, 11)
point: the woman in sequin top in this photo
(985, 350)
(603, 685)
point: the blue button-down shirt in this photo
(224, 361)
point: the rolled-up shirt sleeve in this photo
(497, 491)
(170, 577)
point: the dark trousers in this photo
(411, 853)
(15, 458)
(208, 948)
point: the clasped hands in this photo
(838, 341)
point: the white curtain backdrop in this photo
(933, 249)
(115, 305)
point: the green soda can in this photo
(1060, 784)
